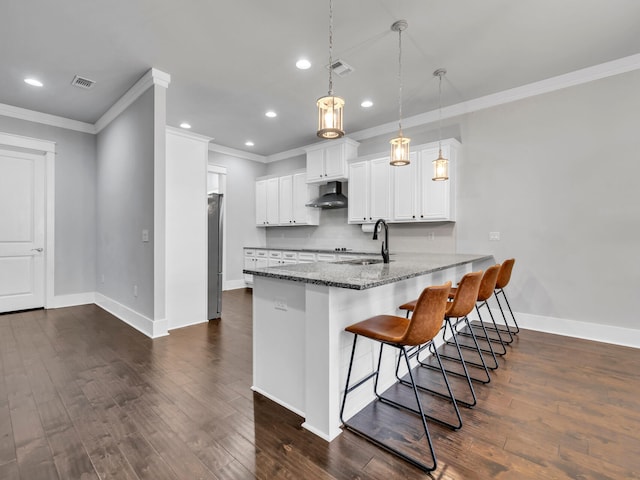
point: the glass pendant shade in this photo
(330, 110)
(399, 151)
(440, 168)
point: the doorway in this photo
(26, 252)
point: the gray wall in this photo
(75, 206)
(557, 176)
(240, 210)
(125, 176)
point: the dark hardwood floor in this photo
(84, 396)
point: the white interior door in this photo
(22, 226)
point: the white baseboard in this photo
(234, 284)
(627, 337)
(61, 301)
(278, 401)
(188, 324)
(150, 328)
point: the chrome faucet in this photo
(385, 244)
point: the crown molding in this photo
(214, 147)
(181, 132)
(45, 118)
(152, 77)
(157, 77)
(577, 77)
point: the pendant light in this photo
(400, 144)
(440, 164)
(330, 108)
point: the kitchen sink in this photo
(361, 261)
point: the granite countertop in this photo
(315, 250)
(361, 277)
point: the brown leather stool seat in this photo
(402, 334)
(456, 312)
(504, 276)
(485, 291)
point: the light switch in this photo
(145, 235)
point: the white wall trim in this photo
(11, 140)
(214, 147)
(627, 337)
(233, 284)
(181, 132)
(45, 118)
(138, 321)
(152, 77)
(279, 402)
(188, 324)
(72, 300)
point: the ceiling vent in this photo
(82, 82)
(341, 69)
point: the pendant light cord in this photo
(330, 47)
(440, 114)
(400, 80)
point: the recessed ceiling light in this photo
(303, 64)
(366, 104)
(33, 82)
(185, 125)
(271, 114)
(249, 143)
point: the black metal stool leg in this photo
(419, 411)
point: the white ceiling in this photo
(231, 61)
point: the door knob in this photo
(37, 249)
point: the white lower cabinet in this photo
(254, 258)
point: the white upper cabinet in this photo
(404, 194)
(285, 199)
(302, 194)
(369, 190)
(327, 162)
(267, 202)
(280, 201)
(416, 197)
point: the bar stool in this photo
(503, 280)
(461, 305)
(487, 286)
(402, 334)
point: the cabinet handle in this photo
(413, 216)
(421, 216)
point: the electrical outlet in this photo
(145, 235)
(102, 278)
(431, 236)
(280, 304)
(135, 290)
(494, 236)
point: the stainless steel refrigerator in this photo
(214, 287)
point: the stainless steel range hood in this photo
(330, 197)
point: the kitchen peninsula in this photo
(300, 350)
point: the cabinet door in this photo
(262, 262)
(380, 189)
(434, 202)
(405, 183)
(249, 263)
(302, 193)
(334, 163)
(315, 166)
(261, 203)
(285, 199)
(273, 217)
(359, 192)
